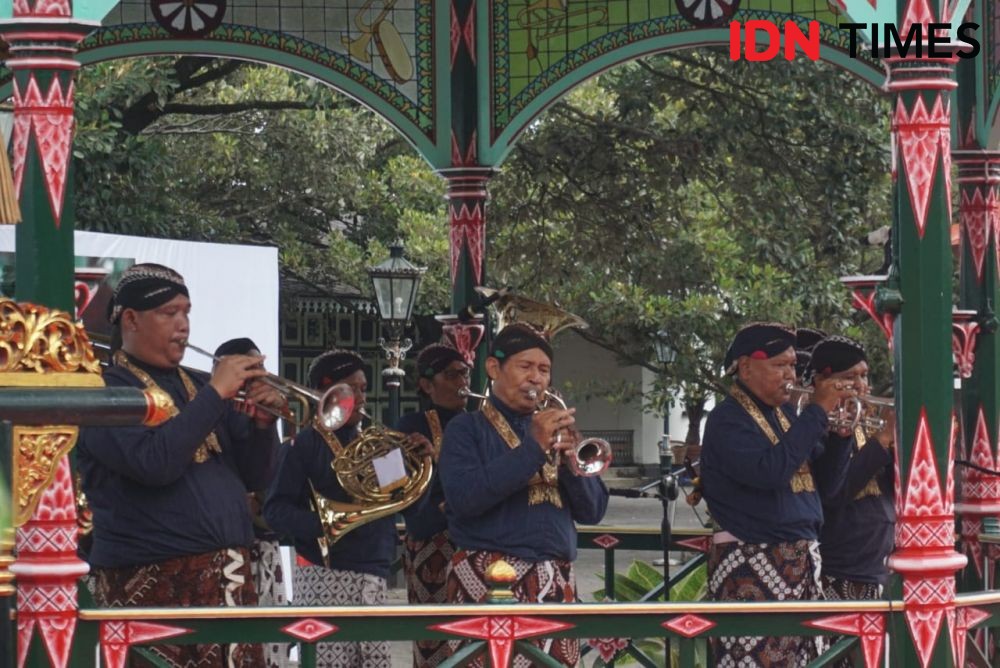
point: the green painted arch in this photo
(421, 127)
(494, 153)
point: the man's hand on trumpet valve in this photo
(232, 371)
(830, 393)
(262, 394)
(546, 425)
(886, 436)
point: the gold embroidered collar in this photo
(543, 486)
(210, 445)
(802, 480)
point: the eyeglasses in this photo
(455, 374)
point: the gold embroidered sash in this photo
(543, 486)
(434, 422)
(802, 480)
(210, 445)
(871, 488)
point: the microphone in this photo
(478, 307)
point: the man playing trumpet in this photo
(859, 515)
(171, 522)
(507, 495)
(758, 482)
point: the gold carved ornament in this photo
(40, 347)
(37, 451)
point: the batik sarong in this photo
(758, 572)
(839, 589)
(220, 578)
(537, 582)
(318, 585)
(426, 563)
(268, 580)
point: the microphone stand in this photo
(668, 493)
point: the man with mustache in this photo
(507, 493)
(171, 522)
(756, 468)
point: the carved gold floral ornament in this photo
(37, 451)
(40, 347)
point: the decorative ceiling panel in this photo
(373, 43)
(538, 42)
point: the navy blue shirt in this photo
(485, 485)
(860, 516)
(425, 518)
(370, 548)
(747, 480)
(151, 501)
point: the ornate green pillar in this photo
(925, 553)
(976, 350)
(43, 37)
(467, 193)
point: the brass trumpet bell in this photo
(862, 411)
(547, 319)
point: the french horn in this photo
(371, 499)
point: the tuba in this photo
(361, 468)
(547, 319)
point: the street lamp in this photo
(668, 481)
(395, 282)
(664, 353)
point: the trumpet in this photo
(863, 411)
(591, 456)
(333, 406)
(466, 393)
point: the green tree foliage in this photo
(231, 152)
(690, 194)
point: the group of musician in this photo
(803, 500)
(788, 489)
(172, 505)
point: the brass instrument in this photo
(864, 411)
(591, 456)
(547, 319)
(354, 465)
(333, 406)
(466, 392)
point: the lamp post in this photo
(395, 282)
(668, 481)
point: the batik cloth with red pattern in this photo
(426, 563)
(740, 571)
(550, 581)
(220, 578)
(839, 589)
